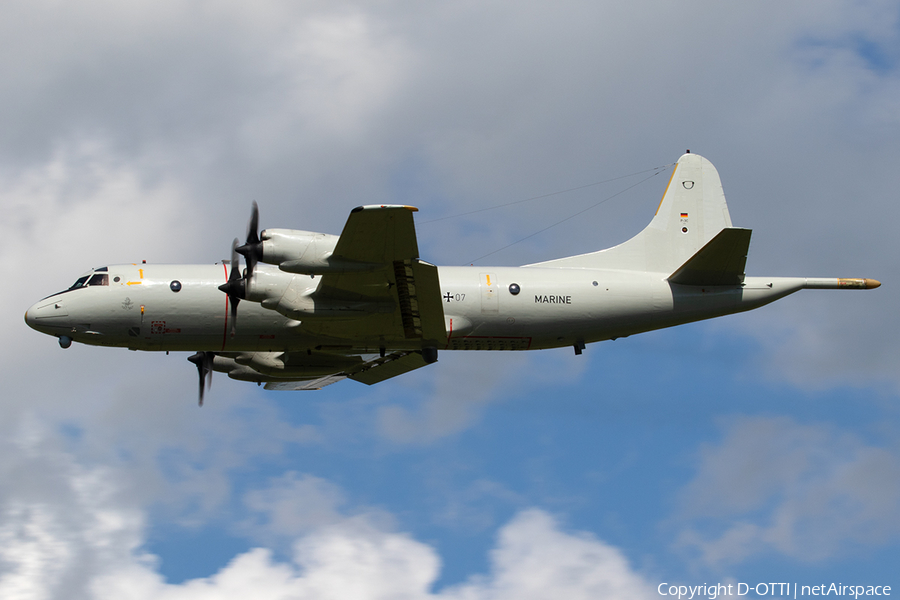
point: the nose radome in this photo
(46, 313)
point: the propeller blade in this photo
(235, 287)
(204, 362)
(235, 262)
(252, 248)
(253, 225)
(234, 300)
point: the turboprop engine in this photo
(304, 252)
(296, 253)
(295, 248)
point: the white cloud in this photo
(449, 396)
(450, 400)
(471, 507)
(82, 208)
(807, 492)
(60, 522)
(296, 504)
(533, 559)
(81, 537)
(342, 69)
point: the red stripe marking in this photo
(450, 335)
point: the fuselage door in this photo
(490, 293)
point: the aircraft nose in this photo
(47, 316)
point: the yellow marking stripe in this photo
(134, 283)
(488, 280)
(667, 188)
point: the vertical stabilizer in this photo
(691, 213)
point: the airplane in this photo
(310, 309)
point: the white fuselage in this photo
(139, 308)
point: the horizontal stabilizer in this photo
(720, 262)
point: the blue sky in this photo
(757, 447)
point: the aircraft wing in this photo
(378, 234)
(369, 372)
(382, 293)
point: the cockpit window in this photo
(80, 282)
(92, 277)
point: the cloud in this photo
(296, 504)
(533, 558)
(453, 394)
(449, 401)
(60, 522)
(80, 536)
(83, 208)
(807, 492)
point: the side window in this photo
(99, 279)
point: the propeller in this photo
(204, 362)
(252, 250)
(236, 286)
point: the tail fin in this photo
(692, 212)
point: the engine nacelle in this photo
(287, 245)
(223, 364)
(307, 253)
(267, 284)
